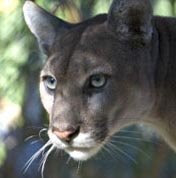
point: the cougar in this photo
(105, 74)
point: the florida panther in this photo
(106, 73)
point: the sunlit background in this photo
(21, 113)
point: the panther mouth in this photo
(82, 148)
(82, 154)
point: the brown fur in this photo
(136, 51)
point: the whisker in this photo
(35, 156)
(132, 138)
(107, 150)
(44, 159)
(41, 131)
(133, 147)
(79, 166)
(30, 137)
(68, 160)
(130, 131)
(34, 142)
(110, 151)
(123, 152)
(36, 136)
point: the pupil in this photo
(97, 79)
(52, 80)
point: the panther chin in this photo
(82, 148)
(82, 154)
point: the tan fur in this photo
(132, 49)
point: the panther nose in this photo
(66, 135)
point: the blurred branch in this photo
(69, 7)
(87, 8)
(173, 7)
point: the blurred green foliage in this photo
(2, 153)
(14, 51)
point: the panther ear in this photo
(43, 25)
(131, 19)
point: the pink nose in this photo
(66, 135)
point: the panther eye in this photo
(50, 82)
(98, 81)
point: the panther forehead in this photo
(80, 56)
(132, 45)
